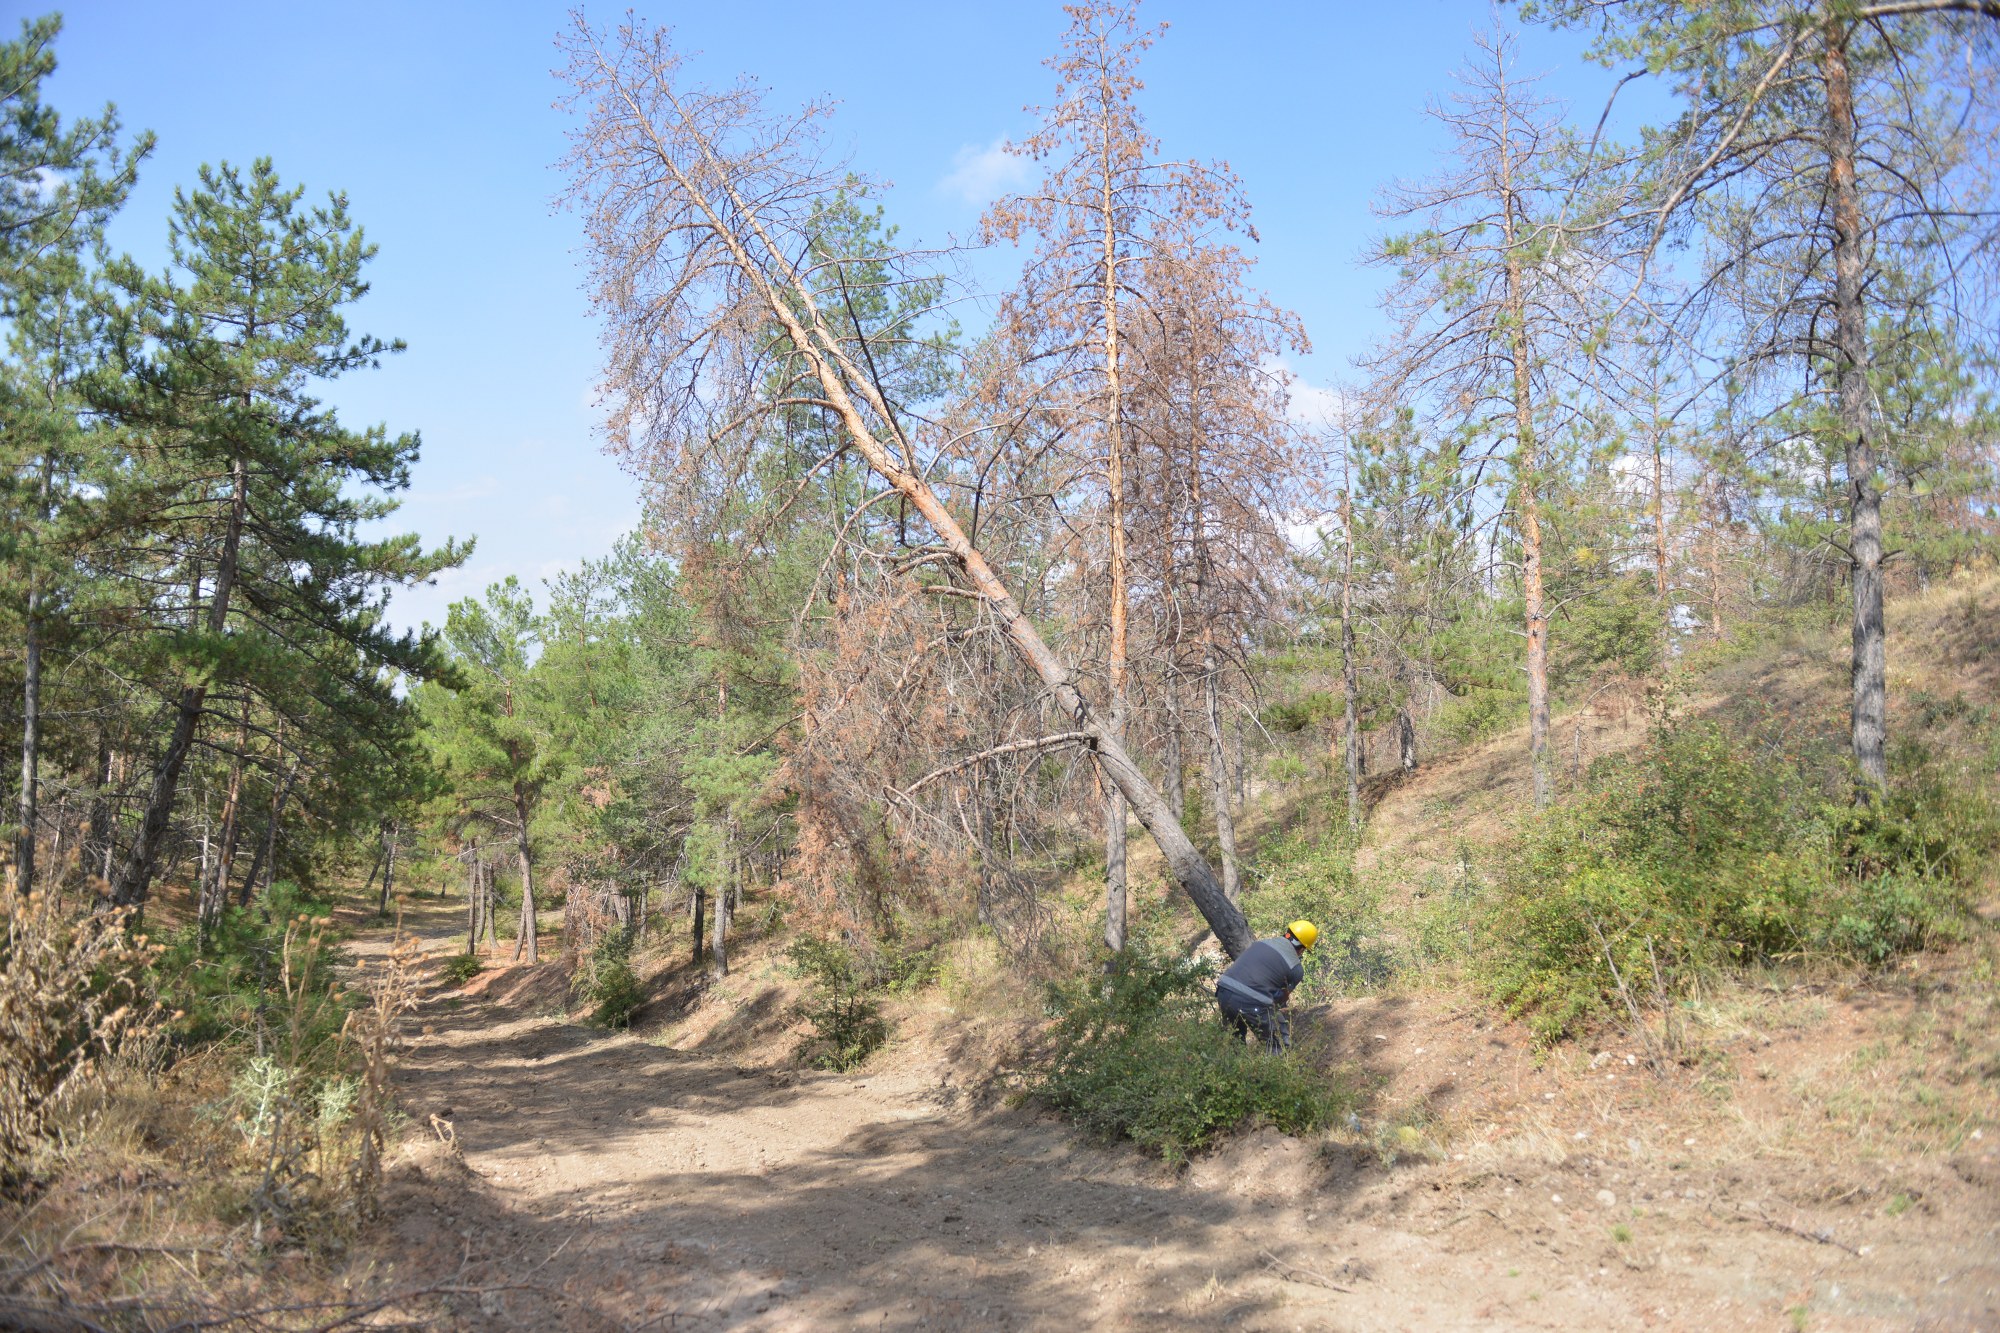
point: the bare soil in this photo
(590, 1180)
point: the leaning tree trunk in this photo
(1869, 667)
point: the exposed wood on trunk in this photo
(1114, 413)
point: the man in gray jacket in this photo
(1259, 983)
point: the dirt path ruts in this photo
(621, 1184)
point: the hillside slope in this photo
(1826, 1159)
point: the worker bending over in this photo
(1258, 984)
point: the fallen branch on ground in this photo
(1293, 1273)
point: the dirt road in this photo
(602, 1181)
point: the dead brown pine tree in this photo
(1099, 214)
(698, 204)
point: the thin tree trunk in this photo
(489, 902)
(1174, 762)
(374, 867)
(1665, 610)
(215, 888)
(718, 945)
(1218, 768)
(135, 876)
(98, 819)
(1406, 740)
(1349, 685)
(472, 897)
(527, 943)
(267, 851)
(1534, 606)
(1864, 495)
(983, 794)
(697, 908)
(1114, 414)
(31, 704)
(389, 831)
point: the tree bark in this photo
(718, 944)
(983, 794)
(1869, 665)
(697, 908)
(473, 894)
(1534, 605)
(389, 831)
(1114, 806)
(97, 818)
(526, 943)
(1218, 769)
(215, 884)
(1349, 685)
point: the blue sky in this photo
(439, 122)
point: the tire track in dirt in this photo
(607, 1182)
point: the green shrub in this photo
(1312, 876)
(1894, 913)
(1140, 1054)
(840, 1004)
(461, 968)
(607, 982)
(1712, 848)
(229, 985)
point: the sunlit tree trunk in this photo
(1869, 668)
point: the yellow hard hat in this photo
(1305, 932)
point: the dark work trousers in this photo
(1246, 1016)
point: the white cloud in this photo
(479, 488)
(1313, 406)
(979, 175)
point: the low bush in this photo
(268, 965)
(1303, 874)
(73, 993)
(840, 1003)
(462, 967)
(1712, 848)
(1140, 1054)
(607, 982)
